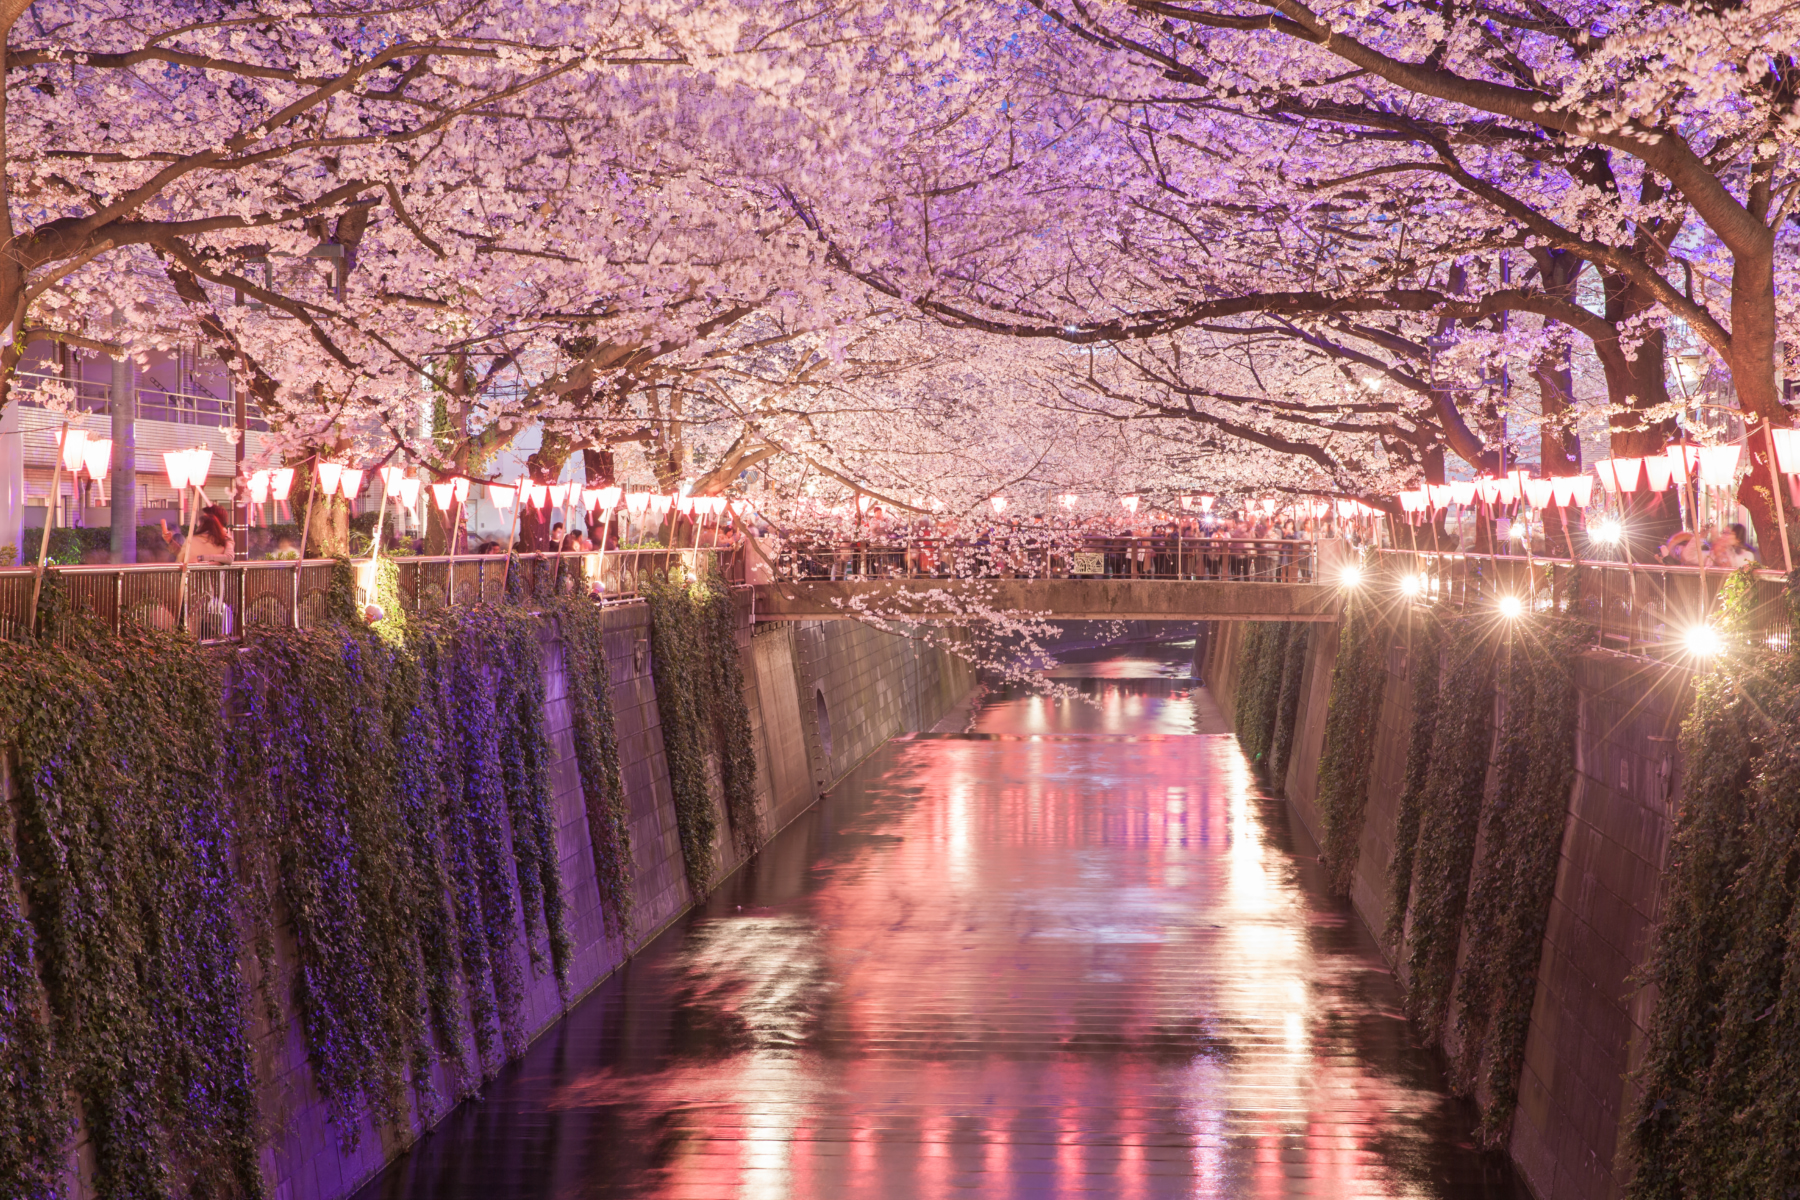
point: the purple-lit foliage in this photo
(699, 699)
(124, 863)
(596, 740)
(401, 802)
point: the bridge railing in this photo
(1268, 559)
(1636, 608)
(221, 602)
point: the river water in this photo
(1070, 951)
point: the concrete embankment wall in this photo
(870, 685)
(1588, 1015)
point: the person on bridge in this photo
(1730, 551)
(1683, 549)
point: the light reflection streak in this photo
(1027, 969)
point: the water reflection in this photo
(1073, 953)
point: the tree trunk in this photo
(599, 466)
(1635, 383)
(1752, 363)
(544, 465)
(1756, 494)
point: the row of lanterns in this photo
(83, 453)
(337, 479)
(1710, 466)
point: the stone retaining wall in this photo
(1588, 1016)
(874, 685)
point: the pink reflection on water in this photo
(1045, 963)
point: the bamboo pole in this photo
(187, 553)
(312, 490)
(375, 546)
(37, 585)
(1775, 485)
(512, 528)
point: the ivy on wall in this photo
(1522, 821)
(700, 702)
(36, 1118)
(596, 740)
(731, 715)
(1260, 659)
(1719, 1085)
(383, 793)
(1358, 679)
(402, 853)
(1287, 704)
(1448, 817)
(1424, 654)
(122, 847)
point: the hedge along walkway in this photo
(389, 794)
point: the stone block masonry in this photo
(1588, 1014)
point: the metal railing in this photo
(1646, 609)
(153, 402)
(1266, 559)
(225, 601)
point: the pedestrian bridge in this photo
(1124, 599)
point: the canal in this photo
(1071, 949)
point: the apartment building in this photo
(178, 399)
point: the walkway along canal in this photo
(1072, 951)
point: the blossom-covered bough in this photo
(1448, 189)
(935, 254)
(532, 207)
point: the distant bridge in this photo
(1123, 599)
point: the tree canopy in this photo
(935, 251)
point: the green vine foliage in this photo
(1262, 658)
(699, 700)
(730, 714)
(597, 757)
(1250, 685)
(392, 626)
(1424, 654)
(1514, 880)
(1287, 704)
(123, 862)
(384, 794)
(36, 1118)
(1449, 816)
(1358, 679)
(1719, 1086)
(401, 852)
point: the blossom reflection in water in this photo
(1072, 953)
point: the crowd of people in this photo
(1727, 549)
(1230, 546)
(1184, 546)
